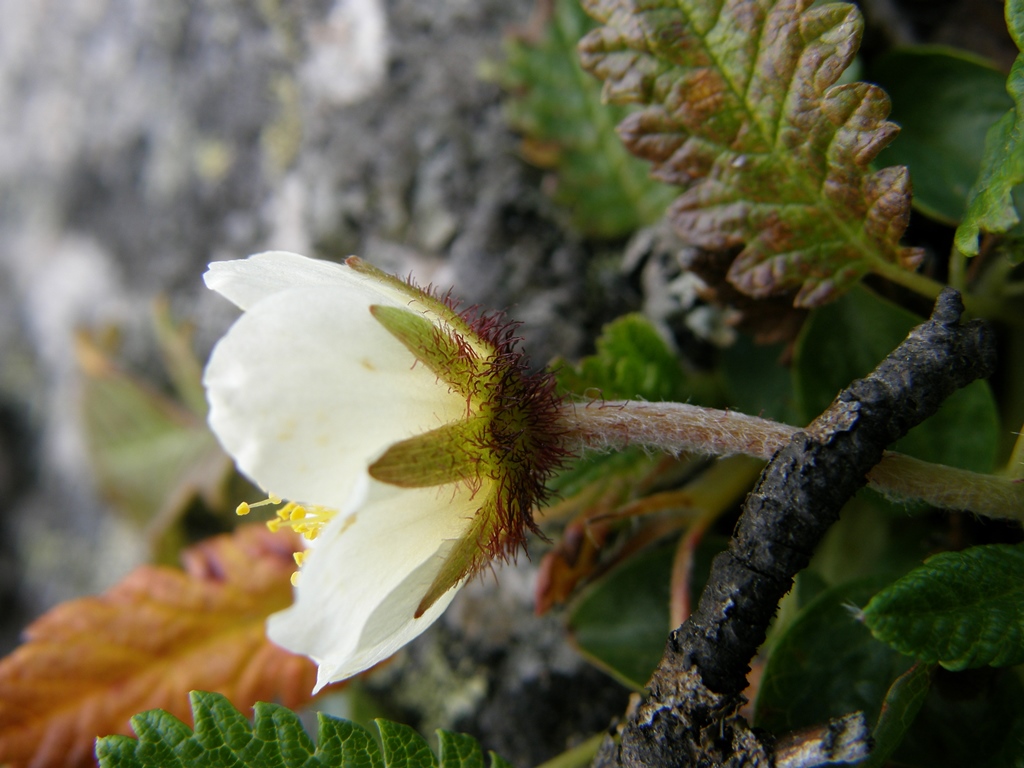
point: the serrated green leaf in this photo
(944, 102)
(403, 746)
(632, 362)
(902, 703)
(847, 339)
(960, 609)
(740, 111)
(558, 108)
(990, 206)
(347, 744)
(826, 664)
(459, 750)
(224, 738)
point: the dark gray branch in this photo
(688, 718)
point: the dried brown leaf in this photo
(90, 664)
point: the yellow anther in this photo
(306, 520)
(245, 507)
(295, 579)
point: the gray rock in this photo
(141, 139)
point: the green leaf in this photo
(901, 705)
(827, 664)
(630, 465)
(757, 380)
(402, 746)
(739, 109)
(972, 718)
(632, 362)
(960, 609)
(459, 750)
(990, 206)
(847, 339)
(174, 340)
(151, 454)
(224, 738)
(944, 101)
(621, 621)
(607, 191)
(873, 535)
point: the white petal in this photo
(362, 582)
(307, 389)
(247, 281)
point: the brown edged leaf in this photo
(90, 664)
(741, 111)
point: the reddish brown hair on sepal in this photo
(505, 449)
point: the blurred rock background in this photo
(141, 139)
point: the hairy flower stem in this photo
(683, 428)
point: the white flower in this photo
(407, 438)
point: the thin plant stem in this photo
(978, 306)
(957, 269)
(1015, 464)
(680, 427)
(578, 756)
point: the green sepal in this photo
(442, 349)
(445, 313)
(440, 456)
(469, 552)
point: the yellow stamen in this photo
(245, 507)
(305, 519)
